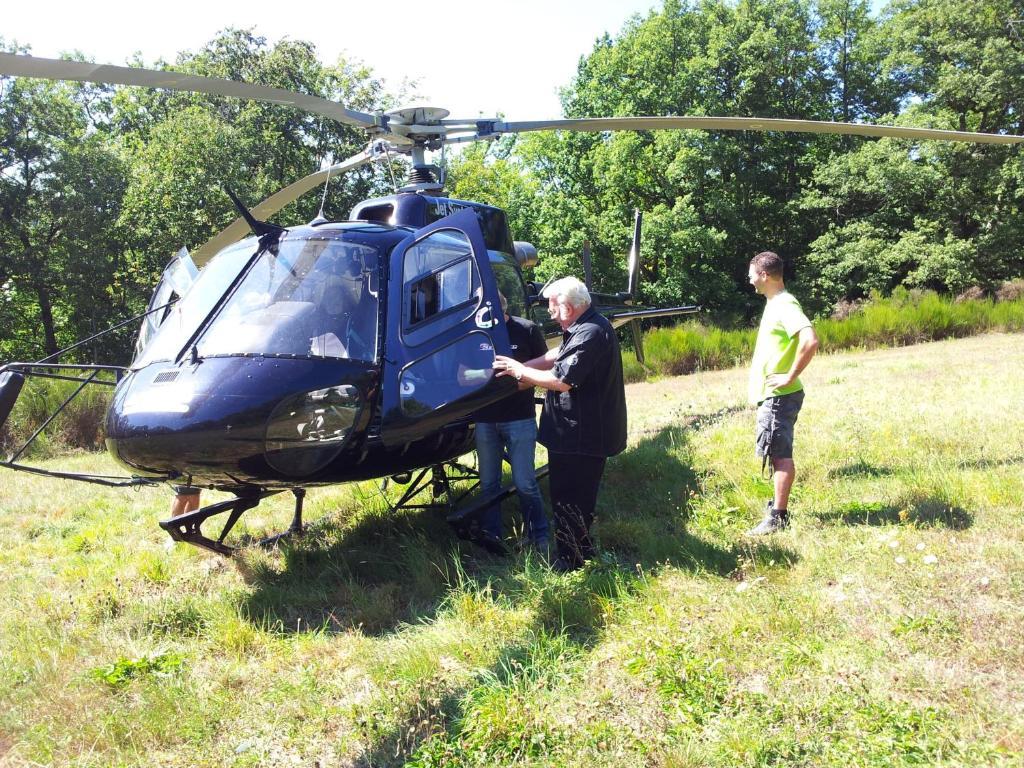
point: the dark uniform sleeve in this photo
(577, 362)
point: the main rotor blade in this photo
(59, 69)
(598, 124)
(237, 229)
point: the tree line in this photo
(99, 186)
(851, 216)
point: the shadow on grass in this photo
(429, 730)
(644, 506)
(429, 714)
(371, 571)
(915, 511)
(375, 570)
(860, 468)
(642, 526)
(1009, 461)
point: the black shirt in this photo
(590, 418)
(527, 340)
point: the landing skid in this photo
(446, 498)
(188, 527)
(440, 479)
(464, 519)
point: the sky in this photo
(474, 59)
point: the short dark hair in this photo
(768, 262)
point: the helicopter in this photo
(276, 359)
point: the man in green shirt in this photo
(786, 342)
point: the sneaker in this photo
(774, 521)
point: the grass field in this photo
(884, 629)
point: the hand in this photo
(507, 366)
(779, 380)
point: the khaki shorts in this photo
(776, 418)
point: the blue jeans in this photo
(520, 438)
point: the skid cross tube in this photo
(466, 514)
(188, 527)
(465, 521)
(295, 528)
(440, 481)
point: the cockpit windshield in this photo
(185, 316)
(312, 297)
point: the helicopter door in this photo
(445, 325)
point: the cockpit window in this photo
(185, 316)
(306, 298)
(438, 275)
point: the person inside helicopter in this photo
(307, 298)
(346, 318)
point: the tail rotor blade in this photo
(634, 257)
(588, 266)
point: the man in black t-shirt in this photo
(584, 418)
(511, 424)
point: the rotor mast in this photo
(422, 176)
(423, 128)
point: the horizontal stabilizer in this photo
(619, 319)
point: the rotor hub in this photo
(418, 115)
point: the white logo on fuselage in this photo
(447, 208)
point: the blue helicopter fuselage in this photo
(333, 352)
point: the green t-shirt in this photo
(776, 345)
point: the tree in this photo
(100, 186)
(853, 50)
(930, 214)
(489, 173)
(732, 192)
(60, 191)
(185, 148)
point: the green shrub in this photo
(120, 673)
(906, 317)
(79, 425)
(692, 685)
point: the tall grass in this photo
(906, 317)
(881, 630)
(79, 425)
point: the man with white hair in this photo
(584, 418)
